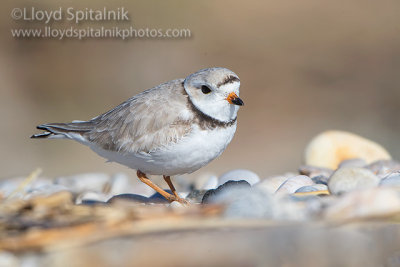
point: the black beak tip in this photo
(238, 101)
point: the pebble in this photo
(312, 171)
(384, 167)
(131, 198)
(349, 179)
(312, 188)
(270, 185)
(247, 203)
(292, 184)
(320, 179)
(243, 201)
(330, 148)
(214, 195)
(90, 196)
(321, 187)
(370, 203)
(307, 188)
(359, 163)
(239, 175)
(392, 179)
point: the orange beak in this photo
(234, 99)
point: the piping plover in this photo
(174, 128)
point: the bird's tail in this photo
(72, 130)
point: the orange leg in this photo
(142, 177)
(172, 187)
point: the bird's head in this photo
(215, 92)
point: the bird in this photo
(172, 129)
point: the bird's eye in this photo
(205, 89)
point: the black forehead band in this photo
(229, 79)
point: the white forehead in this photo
(214, 77)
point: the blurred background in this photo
(305, 67)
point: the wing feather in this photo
(145, 122)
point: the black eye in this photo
(205, 89)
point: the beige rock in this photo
(330, 148)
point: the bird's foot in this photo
(172, 198)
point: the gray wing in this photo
(145, 122)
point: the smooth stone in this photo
(320, 179)
(330, 148)
(270, 185)
(239, 175)
(305, 189)
(392, 179)
(384, 167)
(345, 180)
(369, 203)
(211, 196)
(247, 203)
(321, 187)
(84, 182)
(312, 188)
(312, 171)
(292, 184)
(242, 201)
(359, 163)
(253, 203)
(130, 197)
(91, 196)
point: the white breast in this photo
(188, 155)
